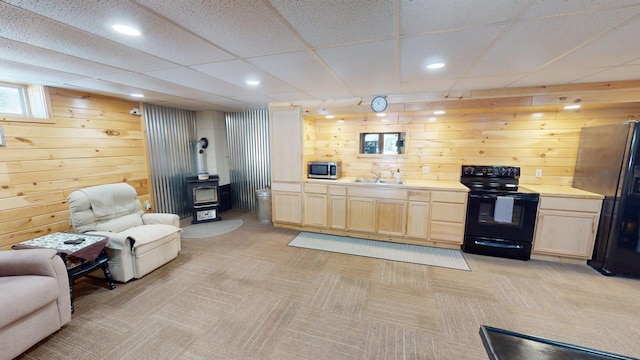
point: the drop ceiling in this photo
(198, 55)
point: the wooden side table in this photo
(81, 258)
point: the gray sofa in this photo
(138, 243)
(34, 298)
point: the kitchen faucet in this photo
(378, 174)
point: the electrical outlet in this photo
(147, 205)
(538, 173)
(426, 169)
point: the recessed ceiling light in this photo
(253, 82)
(381, 114)
(340, 121)
(438, 112)
(329, 116)
(432, 119)
(571, 107)
(435, 66)
(537, 115)
(127, 30)
(137, 95)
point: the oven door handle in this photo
(498, 245)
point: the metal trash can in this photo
(263, 197)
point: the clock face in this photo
(379, 103)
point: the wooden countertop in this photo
(408, 184)
(561, 191)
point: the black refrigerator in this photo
(608, 163)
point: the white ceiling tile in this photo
(419, 17)
(291, 96)
(555, 8)
(526, 45)
(62, 38)
(434, 84)
(613, 48)
(494, 82)
(237, 72)
(24, 73)
(159, 36)
(332, 22)
(197, 80)
(143, 82)
(199, 53)
(613, 74)
(376, 65)
(245, 28)
(300, 69)
(33, 55)
(457, 49)
(325, 94)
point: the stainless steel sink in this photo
(367, 181)
(397, 182)
(378, 181)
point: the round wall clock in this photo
(379, 103)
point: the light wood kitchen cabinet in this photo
(447, 216)
(315, 205)
(338, 207)
(286, 207)
(381, 211)
(391, 217)
(361, 212)
(566, 227)
(285, 146)
(418, 208)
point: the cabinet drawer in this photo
(315, 188)
(448, 212)
(570, 204)
(368, 192)
(338, 190)
(282, 186)
(419, 195)
(448, 196)
(446, 232)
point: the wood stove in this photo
(204, 195)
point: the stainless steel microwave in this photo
(324, 169)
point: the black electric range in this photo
(501, 217)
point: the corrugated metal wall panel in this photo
(248, 138)
(171, 139)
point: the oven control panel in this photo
(512, 172)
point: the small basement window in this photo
(13, 100)
(23, 103)
(382, 143)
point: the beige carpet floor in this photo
(247, 295)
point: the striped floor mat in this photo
(382, 250)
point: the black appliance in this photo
(501, 218)
(608, 164)
(203, 198)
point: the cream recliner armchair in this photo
(138, 243)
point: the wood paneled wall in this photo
(90, 140)
(532, 137)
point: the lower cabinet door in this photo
(418, 219)
(392, 217)
(315, 210)
(287, 207)
(338, 212)
(362, 214)
(565, 233)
